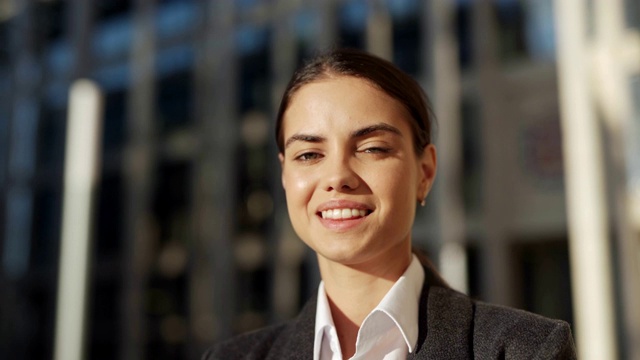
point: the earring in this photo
(423, 202)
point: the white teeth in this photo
(343, 213)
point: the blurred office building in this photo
(191, 241)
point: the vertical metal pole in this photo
(224, 136)
(216, 116)
(139, 162)
(22, 139)
(380, 31)
(212, 284)
(586, 200)
(80, 177)
(80, 24)
(446, 100)
(201, 313)
(19, 136)
(496, 198)
(328, 33)
(611, 77)
(286, 265)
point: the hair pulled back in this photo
(379, 72)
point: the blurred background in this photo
(190, 242)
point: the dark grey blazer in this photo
(451, 326)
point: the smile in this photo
(344, 213)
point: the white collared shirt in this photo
(389, 332)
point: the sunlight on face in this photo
(350, 172)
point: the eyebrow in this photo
(305, 138)
(373, 128)
(354, 134)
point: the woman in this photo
(353, 133)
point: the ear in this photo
(427, 172)
(281, 158)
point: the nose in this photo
(340, 176)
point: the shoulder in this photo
(291, 340)
(517, 333)
(252, 345)
(496, 331)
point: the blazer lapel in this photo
(445, 325)
(296, 341)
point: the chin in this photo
(346, 255)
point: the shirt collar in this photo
(401, 304)
(324, 320)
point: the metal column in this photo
(586, 199)
(446, 98)
(139, 162)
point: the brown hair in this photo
(381, 73)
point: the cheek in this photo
(298, 188)
(399, 181)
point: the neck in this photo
(354, 291)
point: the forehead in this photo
(342, 102)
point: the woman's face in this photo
(350, 172)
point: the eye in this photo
(376, 150)
(308, 156)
